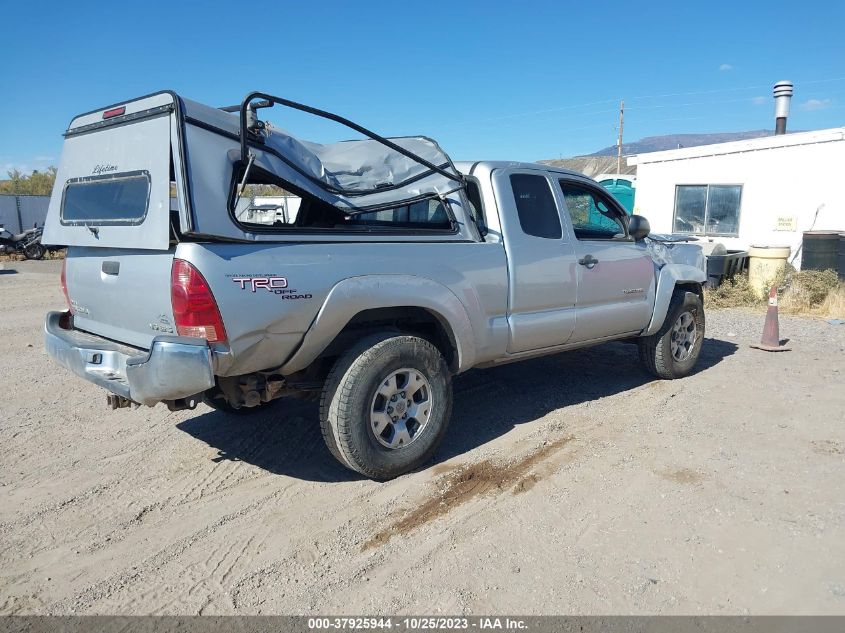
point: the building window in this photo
(707, 209)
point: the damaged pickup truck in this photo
(380, 270)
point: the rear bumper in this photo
(174, 367)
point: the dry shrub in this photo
(735, 292)
(781, 279)
(807, 290)
(833, 305)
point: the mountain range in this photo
(604, 160)
(674, 141)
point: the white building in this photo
(759, 192)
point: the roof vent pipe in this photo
(783, 95)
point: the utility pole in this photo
(619, 141)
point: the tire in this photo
(35, 250)
(359, 392)
(684, 319)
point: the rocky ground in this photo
(570, 484)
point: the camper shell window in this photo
(103, 200)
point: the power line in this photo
(641, 97)
(721, 90)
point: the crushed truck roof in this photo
(355, 175)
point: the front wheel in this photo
(386, 405)
(674, 349)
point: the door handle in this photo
(589, 261)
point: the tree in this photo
(37, 183)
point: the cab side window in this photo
(535, 206)
(476, 206)
(593, 218)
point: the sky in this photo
(488, 80)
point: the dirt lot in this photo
(569, 484)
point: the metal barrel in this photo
(819, 250)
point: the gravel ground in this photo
(568, 484)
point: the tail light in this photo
(194, 307)
(64, 286)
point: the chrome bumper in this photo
(174, 367)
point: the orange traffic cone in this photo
(770, 341)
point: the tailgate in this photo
(113, 183)
(121, 294)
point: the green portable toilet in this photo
(622, 187)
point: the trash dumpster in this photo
(724, 266)
(818, 250)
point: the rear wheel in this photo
(386, 405)
(35, 250)
(674, 349)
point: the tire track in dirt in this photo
(254, 439)
(126, 578)
(210, 476)
(103, 523)
(41, 529)
(221, 475)
(208, 578)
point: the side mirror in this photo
(638, 227)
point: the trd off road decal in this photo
(254, 283)
(269, 283)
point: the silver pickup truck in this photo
(385, 270)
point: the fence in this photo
(18, 213)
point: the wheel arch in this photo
(407, 303)
(411, 319)
(669, 278)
